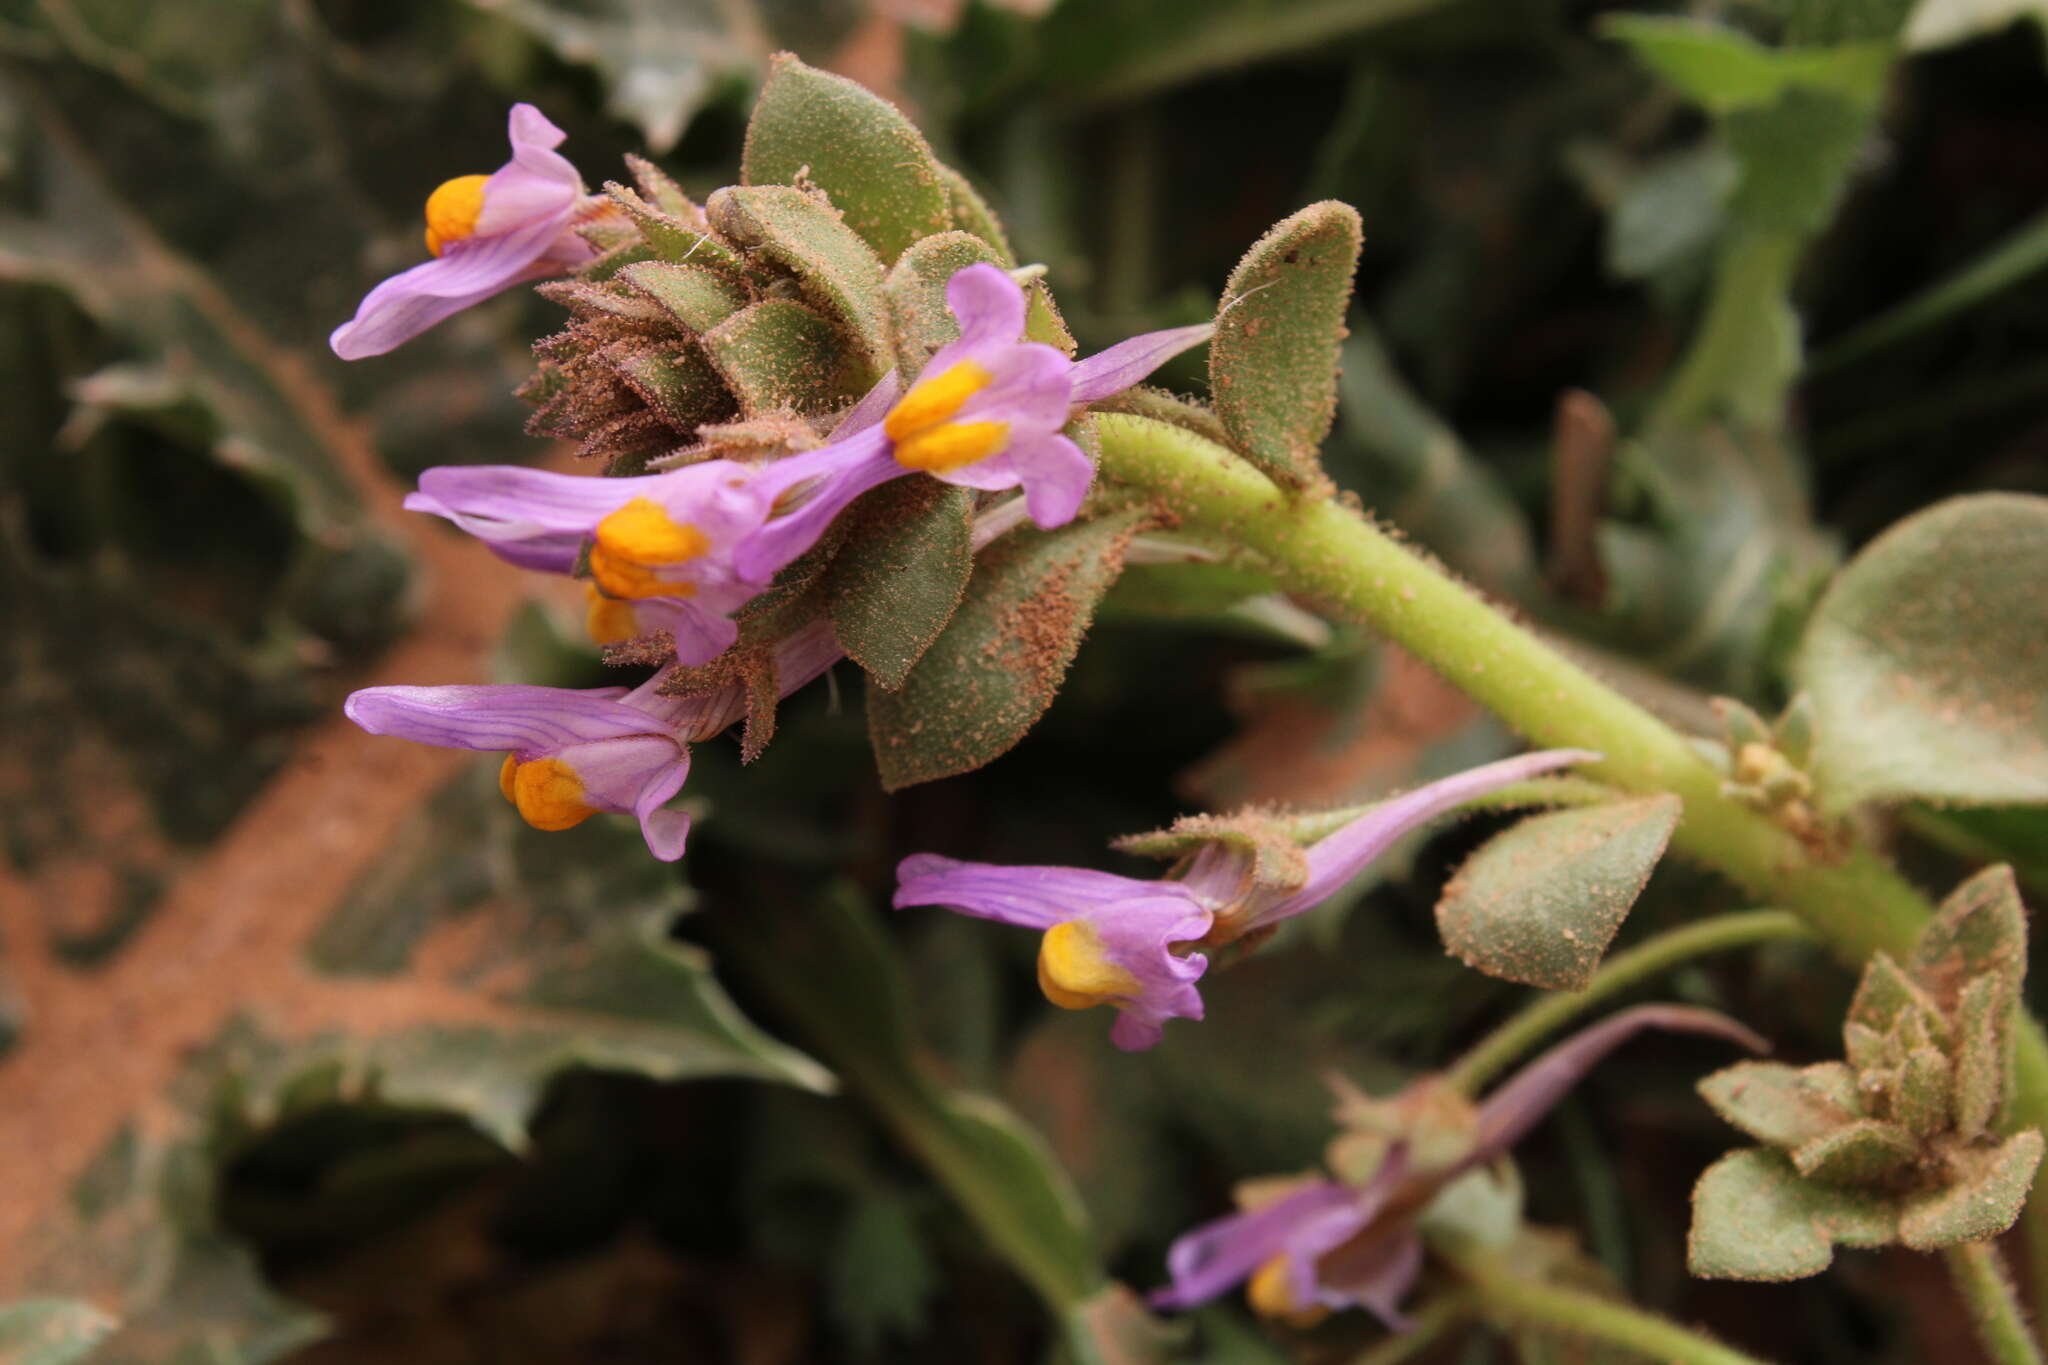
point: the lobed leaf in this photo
(1273, 361)
(996, 668)
(1783, 1106)
(1984, 1202)
(1755, 1218)
(1540, 902)
(1924, 660)
(811, 127)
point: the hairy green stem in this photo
(1505, 1296)
(1326, 551)
(2001, 1326)
(1541, 1018)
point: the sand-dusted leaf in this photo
(1781, 1105)
(674, 239)
(1858, 1153)
(904, 568)
(777, 355)
(838, 273)
(812, 127)
(1755, 1218)
(1273, 362)
(696, 296)
(914, 295)
(1980, 931)
(675, 380)
(1983, 1202)
(1885, 999)
(1925, 664)
(50, 1331)
(995, 669)
(1540, 902)
(1984, 1049)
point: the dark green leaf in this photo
(1273, 362)
(696, 296)
(1540, 902)
(904, 569)
(837, 272)
(914, 294)
(777, 355)
(995, 669)
(812, 127)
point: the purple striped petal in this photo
(536, 183)
(504, 718)
(1337, 858)
(1031, 897)
(842, 471)
(873, 406)
(1128, 362)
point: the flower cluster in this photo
(677, 554)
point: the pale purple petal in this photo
(506, 502)
(700, 634)
(412, 301)
(1027, 388)
(617, 773)
(1032, 897)
(873, 406)
(843, 471)
(1056, 475)
(507, 718)
(1127, 362)
(666, 831)
(1336, 859)
(1511, 1111)
(1137, 934)
(1382, 1278)
(1213, 1258)
(805, 654)
(537, 183)
(988, 304)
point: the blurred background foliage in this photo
(316, 1054)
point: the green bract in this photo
(1901, 1142)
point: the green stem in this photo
(1327, 552)
(2001, 1326)
(1545, 1016)
(1508, 1297)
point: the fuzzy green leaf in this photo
(778, 354)
(50, 1331)
(1980, 931)
(1925, 663)
(1983, 1056)
(972, 214)
(914, 295)
(1795, 155)
(672, 239)
(1755, 1218)
(1540, 902)
(837, 272)
(1984, 1202)
(992, 673)
(696, 296)
(1722, 69)
(904, 569)
(1884, 999)
(812, 127)
(674, 380)
(1925, 1092)
(1273, 362)
(1781, 1105)
(1858, 1153)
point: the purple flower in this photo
(1331, 1245)
(664, 542)
(487, 233)
(571, 753)
(985, 413)
(1129, 943)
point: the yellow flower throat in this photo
(922, 426)
(547, 792)
(637, 539)
(1075, 972)
(453, 209)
